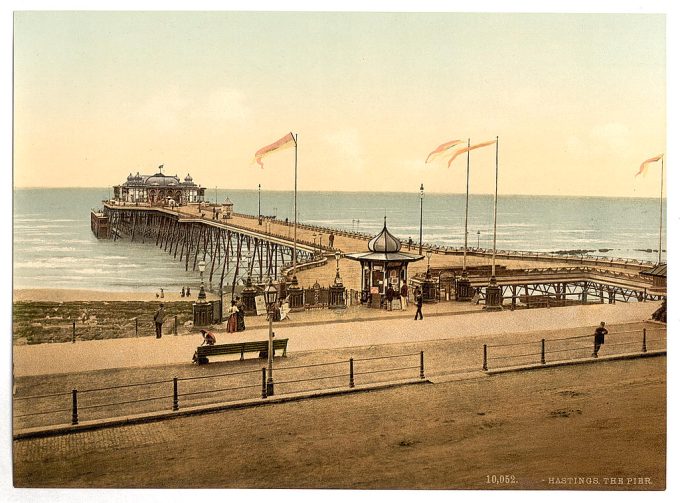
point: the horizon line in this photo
(415, 192)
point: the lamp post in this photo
(221, 303)
(338, 281)
(422, 192)
(259, 212)
(478, 240)
(428, 254)
(201, 292)
(270, 297)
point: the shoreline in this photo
(78, 295)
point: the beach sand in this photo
(72, 295)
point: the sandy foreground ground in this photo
(587, 427)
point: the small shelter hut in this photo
(382, 265)
(227, 208)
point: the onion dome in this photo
(384, 242)
(130, 177)
(188, 178)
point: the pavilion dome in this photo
(384, 242)
(161, 179)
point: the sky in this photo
(577, 100)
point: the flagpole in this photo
(495, 212)
(295, 207)
(660, 212)
(467, 195)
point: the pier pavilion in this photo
(158, 189)
(383, 265)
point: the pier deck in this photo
(543, 267)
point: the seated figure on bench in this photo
(209, 338)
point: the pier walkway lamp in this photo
(201, 292)
(422, 193)
(270, 297)
(259, 210)
(478, 239)
(428, 254)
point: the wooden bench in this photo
(203, 352)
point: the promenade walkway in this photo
(323, 334)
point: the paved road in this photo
(147, 351)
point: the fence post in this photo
(175, 397)
(484, 365)
(264, 382)
(175, 328)
(644, 340)
(74, 413)
(74, 332)
(422, 365)
(351, 372)
(136, 326)
(542, 351)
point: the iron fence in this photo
(577, 347)
(181, 393)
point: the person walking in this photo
(410, 242)
(600, 332)
(331, 238)
(419, 303)
(158, 320)
(403, 293)
(389, 295)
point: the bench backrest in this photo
(240, 347)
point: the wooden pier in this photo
(244, 245)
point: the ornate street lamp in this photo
(270, 297)
(259, 211)
(478, 240)
(338, 255)
(428, 254)
(201, 292)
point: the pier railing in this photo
(93, 403)
(579, 347)
(566, 256)
(590, 259)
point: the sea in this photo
(53, 246)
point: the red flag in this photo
(444, 148)
(467, 149)
(286, 141)
(643, 166)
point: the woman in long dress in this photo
(232, 320)
(240, 315)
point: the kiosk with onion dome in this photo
(383, 264)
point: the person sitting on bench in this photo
(209, 338)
